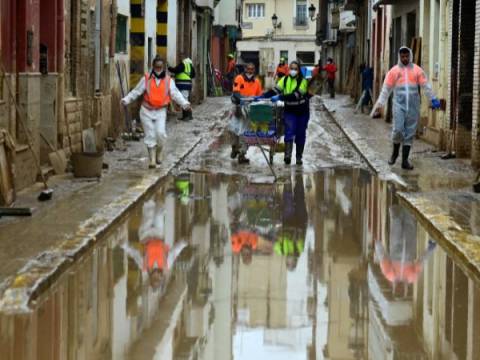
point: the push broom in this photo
(46, 193)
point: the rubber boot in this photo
(151, 157)
(288, 153)
(242, 159)
(158, 155)
(395, 152)
(299, 149)
(234, 152)
(186, 115)
(405, 154)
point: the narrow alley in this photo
(239, 179)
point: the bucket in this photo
(87, 164)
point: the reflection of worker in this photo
(404, 80)
(245, 85)
(158, 255)
(246, 242)
(400, 264)
(294, 223)
(157, 89)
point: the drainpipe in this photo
(98, 44)
(60, 66)
(113, 30)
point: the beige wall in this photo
(285, 11)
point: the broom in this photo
(47, 193)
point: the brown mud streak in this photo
(39, 277)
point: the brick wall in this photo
(476, 93)
(72, 139)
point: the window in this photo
(301, 17)
(306, 57)
(121, 37)
(284, 54)
(255, 11)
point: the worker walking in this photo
(404, 79)
(157, 89)
(245, 85)
(230, 71)
(282, 69)
(330, 69)
(184, 73)
(292, 90)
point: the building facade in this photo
(265, 40)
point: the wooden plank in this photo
(7, 190)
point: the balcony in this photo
(205, 4)
(300, 23)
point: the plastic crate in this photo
(261, 113)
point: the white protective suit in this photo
(404, 81)
(154, 120)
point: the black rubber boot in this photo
(299, 149)
(396, 151)
(288, 153)
(242, 159)
(405, 154)
(234, 152)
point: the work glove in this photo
(236, 98)
(275, 98)
(435, 104)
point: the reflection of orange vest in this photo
(156, 96)
(156, 252)
(242, 239)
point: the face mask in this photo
(293, 73)
(157, 74)
(249, 76)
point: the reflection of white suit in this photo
(153, 222)
(151, 228)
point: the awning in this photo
(377, 3)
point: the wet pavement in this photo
(321, 265)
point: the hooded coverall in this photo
(404, 81)
(154, 117)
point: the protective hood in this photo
(411, 55)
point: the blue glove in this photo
(256, 98)
(435, 104)
(275, 98)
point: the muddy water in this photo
(321, 266)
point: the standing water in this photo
(211, 267)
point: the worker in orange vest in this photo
(157, 89)
(230, 71)
(282, 69)
(245, 85)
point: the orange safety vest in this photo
(156, 96)
(242, 239)
(156, 252)
(247, 87)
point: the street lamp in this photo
(274, 21)
(311, 12)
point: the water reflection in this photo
(322, 266)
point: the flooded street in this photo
(327, 265)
